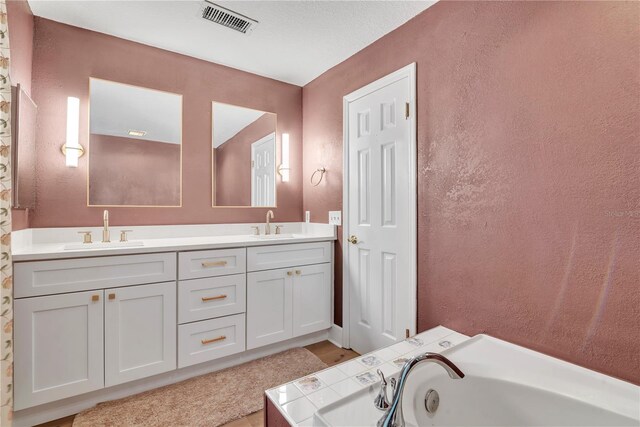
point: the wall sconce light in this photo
(72, 149)
(284, 168)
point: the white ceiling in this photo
(228, 120)
(295, 41)
(118, 108)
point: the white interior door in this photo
(380, 201)
(263, 171)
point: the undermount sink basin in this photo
(274, 236)
(100, 245)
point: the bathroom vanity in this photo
(180, 301)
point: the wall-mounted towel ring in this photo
(320, 171)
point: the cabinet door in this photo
(140, 332)
(58, 347)
(268, 307)
(311, 299)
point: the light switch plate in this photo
(307, 216)
(335, 217)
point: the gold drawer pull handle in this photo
(205, 299)
(207, 264)
(95, 298)
(220, 338)
(298, 272)
(112, 296)
(289, 273)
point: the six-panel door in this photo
(311, 286)
(58, 347)
(140, 332)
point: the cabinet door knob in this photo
(353, 239)
(112, 296)
(298, 272)
(95, 298)
(289, 273)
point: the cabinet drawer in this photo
(70, 275)
(210, 339)
(200, 299)
(221, 262)
(282, 256)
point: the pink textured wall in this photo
(233, 162)
(129, 171)
(64, 59)
(529, 170)
(20, 22)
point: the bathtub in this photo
(504, 385)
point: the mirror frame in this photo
(213, 170)
(89, 146)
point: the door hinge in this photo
(253, 163)
(406, 333)
(407, 107)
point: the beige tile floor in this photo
(327, 352)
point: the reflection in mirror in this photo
(243, 156)
(23, 134)
(135, 152)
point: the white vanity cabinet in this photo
(211, 304)
(89, 323)
(288, 302)
(70, 343)
(139, 332)
(58, 347)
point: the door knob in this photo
(353, 239)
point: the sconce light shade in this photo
(284, 166)
(72, 149)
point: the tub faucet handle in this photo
(381, 402)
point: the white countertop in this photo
(49, 243)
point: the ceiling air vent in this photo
(228, 18)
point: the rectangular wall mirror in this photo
(23, 133)
(243, 156)
(135, 146)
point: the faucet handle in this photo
(381, 402)
(87, 236)
(256, 230)
(123, 235)
(278, 227)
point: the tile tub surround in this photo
(46, 243)
(298, 400)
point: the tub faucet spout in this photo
(394, 417)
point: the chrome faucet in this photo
(105, 231)
(267, 226)
(394, 417)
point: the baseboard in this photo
(73, 405)
(335, 335)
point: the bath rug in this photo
(211, 400)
